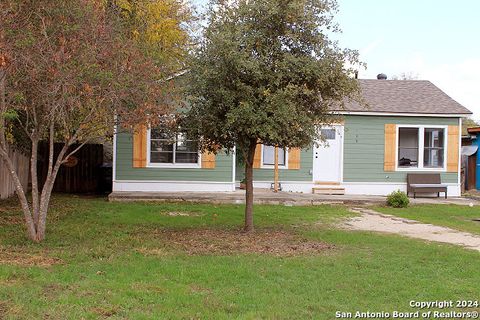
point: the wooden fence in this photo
(80, 175)
(22, 166)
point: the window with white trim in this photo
(433, 148)
(172, 148)
(421, 147)
(269, 156)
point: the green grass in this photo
(452, 216)
(103, 274)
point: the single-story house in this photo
(410, 126)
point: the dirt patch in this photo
(19, 258)
(3, 309)
(227, 242)
(105, 312)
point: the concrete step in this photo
(328, 190)
(327, 183)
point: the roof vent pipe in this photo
(381, 76)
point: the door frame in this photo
(340, 127)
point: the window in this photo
(421, 147)
(433, 148)
(328, 134)
(269, 156)
(172, 148)
(408, 147)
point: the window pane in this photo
(159, 133)
(161, 157)
(408, 147)
(184, 157)
(161, 145)
(433, 148)
(328, 134)
(186, 145)
(433, 158)
(269, 155)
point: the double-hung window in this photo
(421, 147)
(268, 156)
(167, 148)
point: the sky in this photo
(436, 40)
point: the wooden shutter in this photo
(208, 160)
(294, 158)
(257, 159)
(140, 147)
(390, 146)
(452, 149)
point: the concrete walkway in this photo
(370, 220)
(269, 197)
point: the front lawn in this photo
(452, 216)
(188, 261)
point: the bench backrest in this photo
(424, 178)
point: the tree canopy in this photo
(266, 72)
(66, 69)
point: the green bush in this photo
(398, 199)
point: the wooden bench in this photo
(425, 183)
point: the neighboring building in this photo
(470, 158)
(409, 126)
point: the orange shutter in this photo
(452, 149)
(208, 160)
(294, 158)
(390, 146)
(257, 159)
(140, 147)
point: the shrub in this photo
(398, 199)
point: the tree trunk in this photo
(249, 187)
(29, 221)
(48, 188)
(34, 177)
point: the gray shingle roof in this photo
(405, 96)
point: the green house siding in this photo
(364, 148)
(125, 171)
(302, 174)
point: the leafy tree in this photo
(468, 123)
(161, 26)
(266, 72)
(66, 67)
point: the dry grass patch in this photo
(105, 312)
(20, 258)
(226, 242)
(8, 220)
(182, 214)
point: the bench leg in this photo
(445, 194)
(414, 195)
(438, 194)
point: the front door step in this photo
(327, 183)
(328, 190)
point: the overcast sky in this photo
(436, 40)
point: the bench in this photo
(425, 183)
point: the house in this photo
(409, 126)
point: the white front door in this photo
(327, 157)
